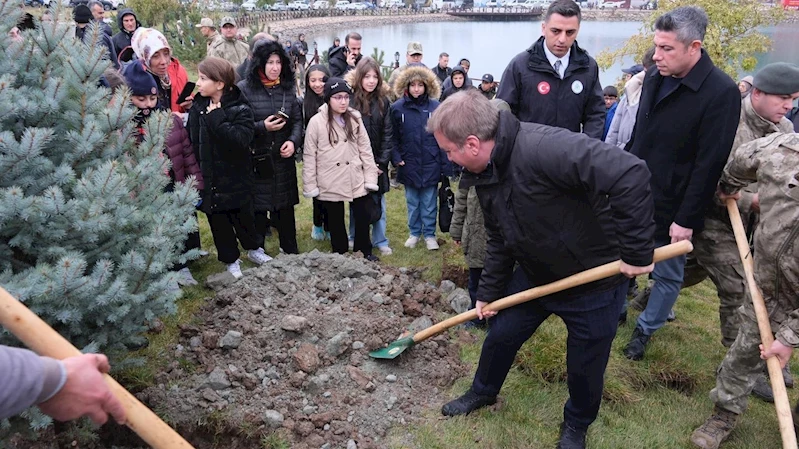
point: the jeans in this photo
(668, 276)
(422, 209)
(591, 321)
(379, 237)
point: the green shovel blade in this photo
(394, 349)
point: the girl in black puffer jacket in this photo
(277, 117)
(371, 98)
(221, 128)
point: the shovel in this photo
(42, 339)
(774, 369)
(584, 277)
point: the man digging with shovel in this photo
(558, 203)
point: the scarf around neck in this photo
(266, 81)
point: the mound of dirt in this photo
(285, 349)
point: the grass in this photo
(655, 403)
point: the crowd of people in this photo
(557, 175)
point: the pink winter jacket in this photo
(181, 153)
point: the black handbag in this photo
(375, 207)
(262, 166)
(446, 205)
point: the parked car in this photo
(249, 6)
(491, 4)
(320, 4)
(342, 5)
(299, 6)
(360, 6)
(611, 4)
(279, 6)
(394, 4)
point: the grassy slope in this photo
(655, 403)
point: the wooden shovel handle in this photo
(774, 369)
(581, 278)
(43, 340)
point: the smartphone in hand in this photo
(186, 92)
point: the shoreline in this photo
(313, 25)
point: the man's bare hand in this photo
(631, 271)
(679, 233)
(755, 203)
(724, 197)
(483, 315)
(85, 393)
(782, 352)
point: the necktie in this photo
(558, 65)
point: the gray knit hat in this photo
(778, 78)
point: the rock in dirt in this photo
(231, 340)
(419, 324)
(218, 281)
(446, 287)
(294, 323)
(459, 300)
(338, 344)
(351, 444)
(306, 358)
(217, 380)
(273, 419)
(358, 376)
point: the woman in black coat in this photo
(370, 98)
(269, 87)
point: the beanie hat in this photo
(334, 86)
(82, 14)
(778, 78)
(610, 91)
(146, 42)
(139, 80)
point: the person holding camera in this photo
(338, 167)
(269, 86)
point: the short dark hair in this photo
(648, 60)
(565, 8)
(443, 53)
(689, 23)
(218, 69)
(94, 3)
(354, 36)
(462, 60)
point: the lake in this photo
(491, 45)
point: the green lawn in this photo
(655, 403)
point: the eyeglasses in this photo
(341, 98)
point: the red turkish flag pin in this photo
(543, 88)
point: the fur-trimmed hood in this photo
(260, 54)
(350, 79)
(417, 73)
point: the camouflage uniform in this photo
(773, 161)
(715, 248)
(232, 50)
(468, 226)
(210, 40)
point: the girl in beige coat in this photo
(338, 167)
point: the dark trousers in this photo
(319, 219)
(283, 221)
(228, 226)
(591, 321)
(334, 211)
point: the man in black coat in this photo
(343, 59)
(555, 82)
(686, 124)
(128, 23)
(556, 203)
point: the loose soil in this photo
(285, 349)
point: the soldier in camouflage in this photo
(229, 47)
(772, 162)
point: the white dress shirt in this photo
(564, 61)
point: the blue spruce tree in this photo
(87, 233)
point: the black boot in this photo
(467, 403)
(637, 346)
(623, 318)
(571, 438)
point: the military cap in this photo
(778, 78)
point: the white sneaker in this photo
(351, 244)
(234, 269)
(431, 243)
(185, 277)
(258, 256)
(385, 250)
(411, 242)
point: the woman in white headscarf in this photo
(152, 48)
